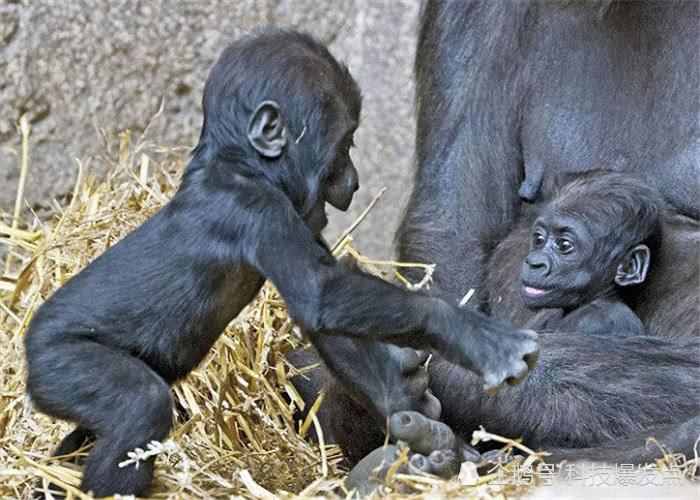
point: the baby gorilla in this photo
(588, 243)
(279, 117)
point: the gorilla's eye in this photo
(538, 240)
(564, 245)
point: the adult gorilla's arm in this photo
(465, 190)
(680, 438)
(586, 390)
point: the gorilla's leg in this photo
(586, 393)
(356, 430)
(363, 477)
(73, 441)
(113, 394)
(433, 446)
(423, 434)
(442, 450)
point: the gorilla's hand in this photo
(498, 352)
(413, 383)
(381, 378)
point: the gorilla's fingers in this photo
(492, 384)
(530, 334)
(422, 434)
(362, 477)
(419, 381)
(418, 464)
(469, 454)
(411, 360)
(423, 357)
(531, 359)
(431, 406)
(530, 350)
(444, 463)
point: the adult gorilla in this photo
(512, 96)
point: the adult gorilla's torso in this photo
(627, 102)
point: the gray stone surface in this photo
(77, 65)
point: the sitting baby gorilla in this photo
(588, 243)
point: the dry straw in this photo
(234, 432)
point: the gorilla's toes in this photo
(419, 464)
(469, 454)
(412, 427)
(444, 463)
(494, 457)
(422, 434)
(431, 406)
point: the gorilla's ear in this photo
(266, 131)
(633, 269)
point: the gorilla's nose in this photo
(537, 264)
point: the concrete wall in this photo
(77, 65)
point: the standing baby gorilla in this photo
(279, 116)
(588, 244)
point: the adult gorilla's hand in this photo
(381, 378)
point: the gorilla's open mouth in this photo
(317, 219)
(532, 291)
(533, 294)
